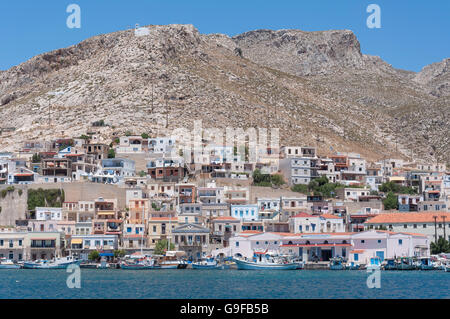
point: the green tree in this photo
(144, 135)
(442, 246)
(94, 255)
(300, 188)
(45, 198)
(142, 173)
(36, 158)
(277, 180)
(396, 188)
(119, 253)
(84, 137)
(391, 201)
(260, 179)
(161, 247)
(111, 153)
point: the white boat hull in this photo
(249, 265)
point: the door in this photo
(380, 254)
(326, 254)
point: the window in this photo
(405, 226)
(415, 226)
(20, 242)
(424, 225)
(379, 241)
(356, 257)
(400, 241)
(363, 241)
(237, 244)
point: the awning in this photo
(77, 241)
(106, 255)
(105, 213)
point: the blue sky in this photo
(413, 33)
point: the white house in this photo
(244, 244)
(307, 223)
(48, 213)
(385, 244)
(247, 212)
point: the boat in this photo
(353, 266)
(266, 261)
(390, 264)
(138, 262)
(57, 263)
(88, 265)
(426, 263)
(405, 263)
(374, 263)
(337, 263)
(446, 266)
(207, 263)
(172, 260)
(8, 264)
(138, 265)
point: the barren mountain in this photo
(316, 87)
(436, 77)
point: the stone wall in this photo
(13, 206)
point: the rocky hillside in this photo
(436, 78)
(316, 87)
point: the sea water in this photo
(222, 284)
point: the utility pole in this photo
(435, 229)
(443, 218)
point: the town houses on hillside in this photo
(73, 196)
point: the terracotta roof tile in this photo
(398, 218)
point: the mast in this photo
(168, 237)
(142, 233)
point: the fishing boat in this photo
(390, 264)
(405, 263)
(138, 261)
(138, 265)
(374, 263)
(426, 263)
(88, 265)
(300, 263)
(8, 264)
(172, 260)
(445, 265)
(57, 263)
(337, 263)
(266, 261)
(353, 266)
(207, 263)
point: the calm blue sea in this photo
(188, 283)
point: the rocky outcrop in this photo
(436, 78)
(302, 53)
(304, 83)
